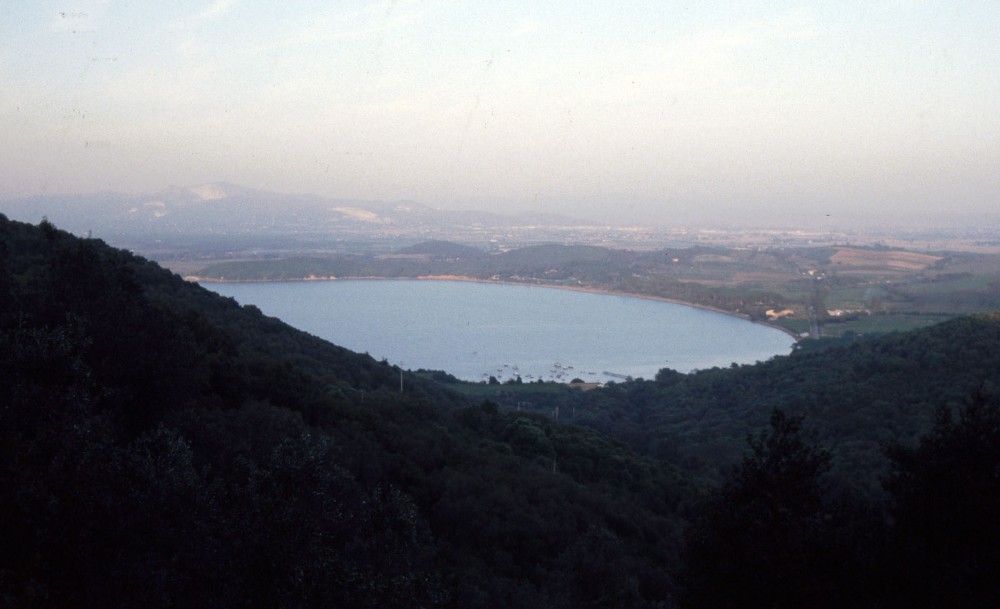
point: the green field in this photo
(881, 323)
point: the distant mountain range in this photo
(228, 209)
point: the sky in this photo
(656, 112)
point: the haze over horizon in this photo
(826, 112)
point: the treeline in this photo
(775, 534)
(163, 446)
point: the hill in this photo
(164, 446)
(441, 250)
(228, 213)
(856, 399)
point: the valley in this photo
(242, 462)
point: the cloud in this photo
(216, 10)
(528, 27)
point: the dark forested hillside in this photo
(162, 446)
(856, 399)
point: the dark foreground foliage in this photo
(774, 535)
(946, 498)
(161, 446)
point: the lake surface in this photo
(475, 330)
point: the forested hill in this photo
(442, 250)
(856, 399)
(162, 446)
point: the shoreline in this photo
(468, 279)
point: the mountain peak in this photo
(209, 192)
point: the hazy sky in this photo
(655, 110)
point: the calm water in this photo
(474, 330)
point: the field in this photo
(881, 323)
(851, 260)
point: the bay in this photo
(477, 330)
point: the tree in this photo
(759, 541)
(945, 499)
